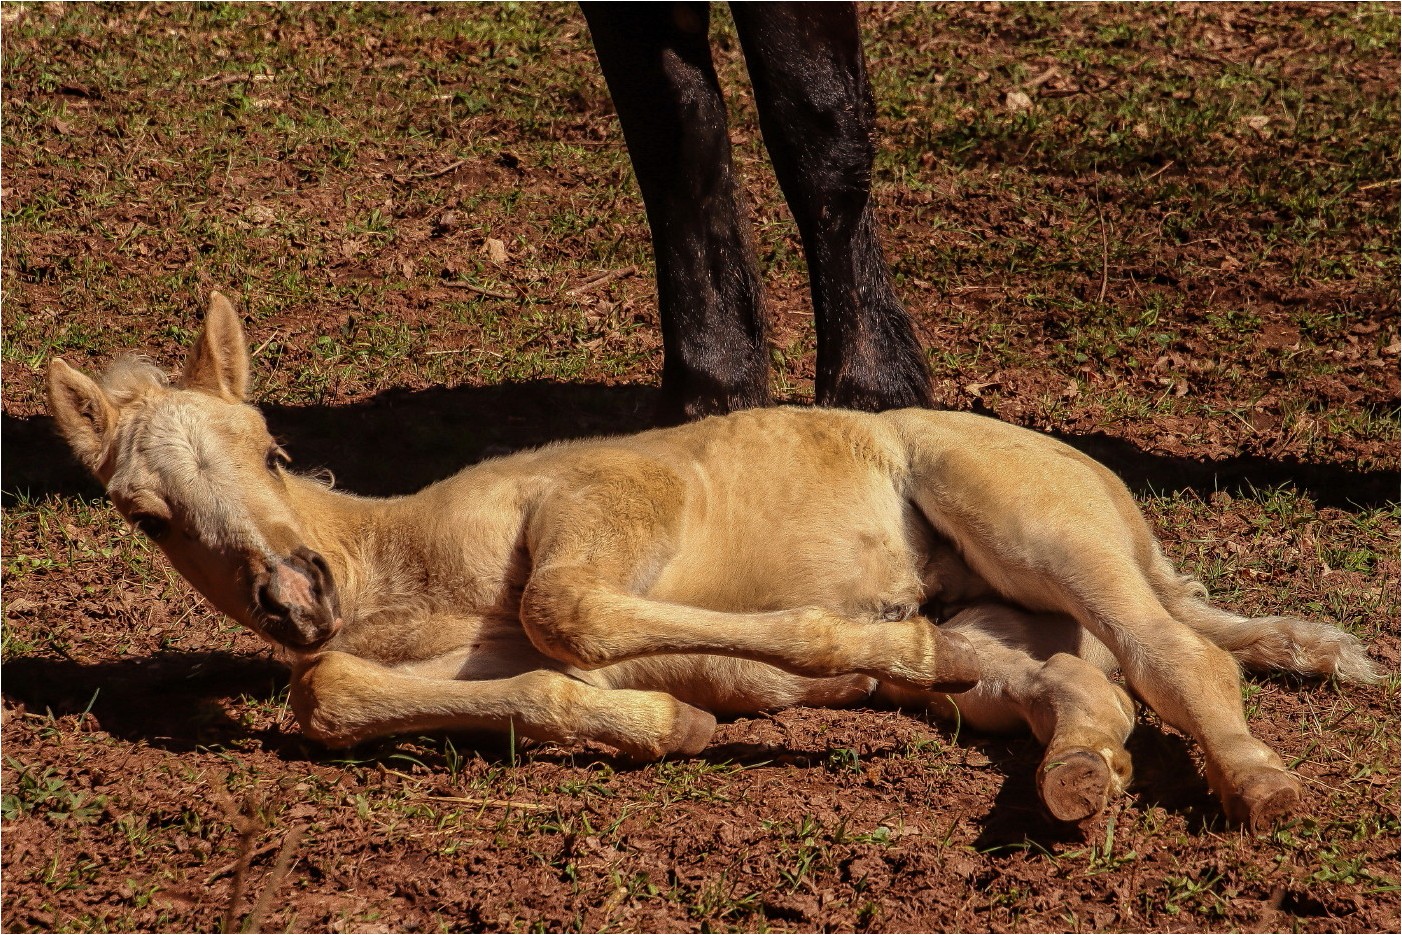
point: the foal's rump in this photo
(1051, 530)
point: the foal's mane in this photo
(130, 377)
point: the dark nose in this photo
(296, 599)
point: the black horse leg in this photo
(818, 118)
(656, 58)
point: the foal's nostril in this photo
(317, 570)
(267, 602)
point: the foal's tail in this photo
(1266, 643)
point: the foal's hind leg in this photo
(1191, 683)
(1045, 673)
(1090, 554)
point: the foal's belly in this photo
(857, 549)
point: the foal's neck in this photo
(445, 549)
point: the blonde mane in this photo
(130, 377)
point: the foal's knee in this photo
(327, 695)
(558, 613)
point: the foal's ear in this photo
(84, 414)
(218, 363)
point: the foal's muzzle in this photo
(295, 600)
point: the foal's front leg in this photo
(597, 551)
(340, 700)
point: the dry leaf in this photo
(259, 214)
(1017, 101)
(495, 250)
(1259, 123)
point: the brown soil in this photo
(154, 779)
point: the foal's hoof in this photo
(1264, 800)
(693, 731)
(688, 734)
(1074, 785)
(958, 667)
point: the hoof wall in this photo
(694, 730)
(1264, 801)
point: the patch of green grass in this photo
(43, 791)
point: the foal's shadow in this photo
(401, 440)
(176, 701)
(171, 700)
(395, 443)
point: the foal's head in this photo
(193, 467)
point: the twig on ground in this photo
(495, 803)
(462, 800)
(254, 921)
(234, 864)
(1104, 245)
(480, 290)
(593, 282)
(1042, 79)
(422, 176)
(246, 834)
(1159, 171)
(264, 346)
(235, 78)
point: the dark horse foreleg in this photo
(656, 58)
(818, 118)
(816, 112)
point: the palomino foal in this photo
(626, 590)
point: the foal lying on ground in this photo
(627, 590)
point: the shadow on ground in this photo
(170, 700)
(401, 440)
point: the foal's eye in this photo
(277, 458)
(153, 527)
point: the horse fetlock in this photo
(325, 729)
(1262, 800)
(340, 700)
(1256, 789)
(572, 647)
(928, 659)
(1257, 792)
(678, 729)
(327, 718)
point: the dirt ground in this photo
(1167, 234)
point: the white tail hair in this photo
(1288, 644)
